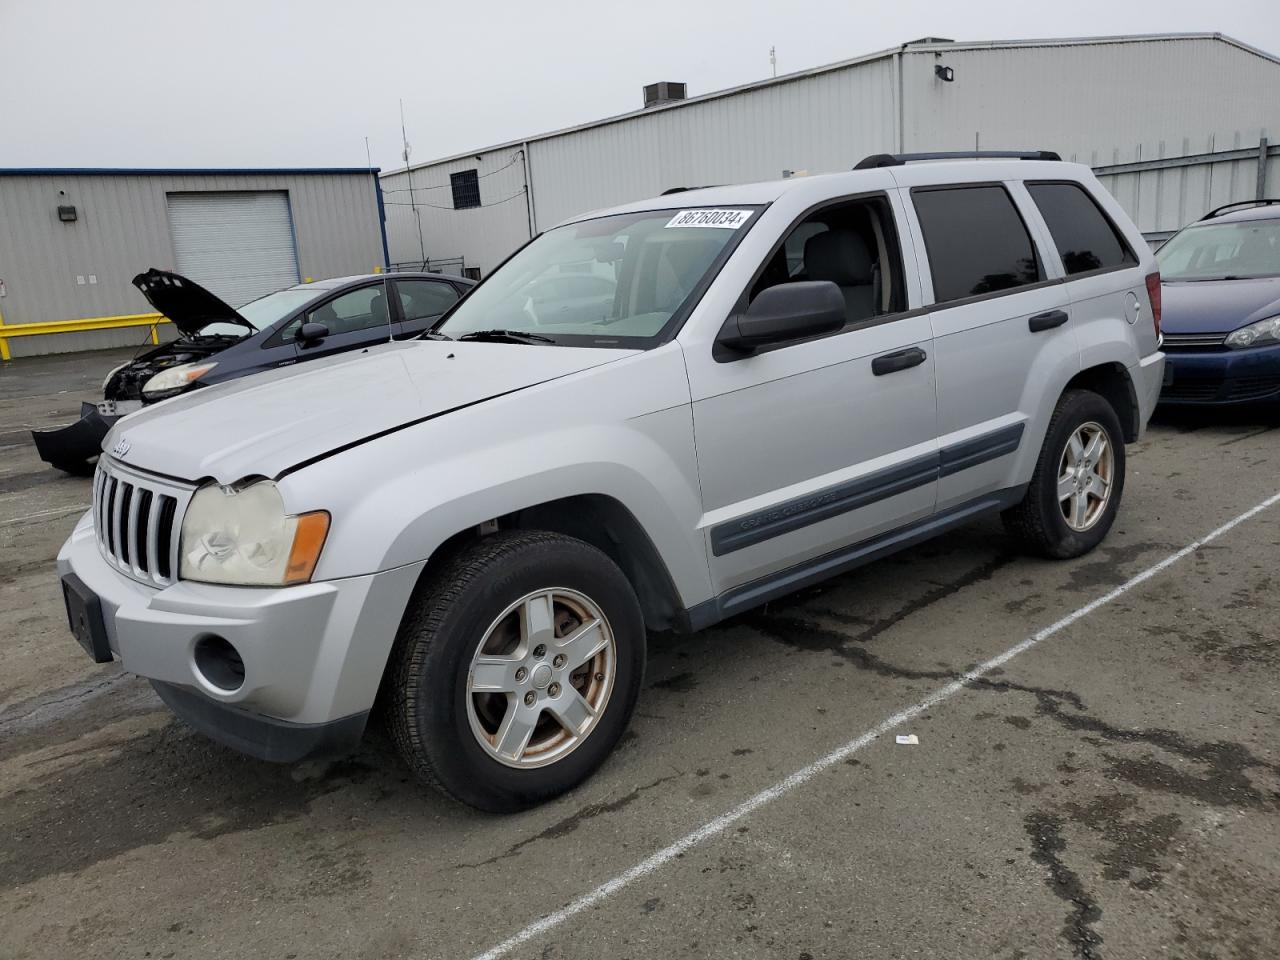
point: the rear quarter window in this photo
(1086, 239)
(976, 241)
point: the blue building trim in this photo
(382, 220)
(179, 171)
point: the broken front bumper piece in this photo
(73, 447)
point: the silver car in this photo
(479, 527)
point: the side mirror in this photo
(787, 311)
(311, 332)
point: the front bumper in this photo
(313, 654)
(72, 447)
(1223, 377)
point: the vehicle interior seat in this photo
(841, 256)
(378, 315)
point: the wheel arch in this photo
(1111, 381)
(605, 523)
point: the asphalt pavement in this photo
(1096, 772)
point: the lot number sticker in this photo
(726, 219)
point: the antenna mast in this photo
(413, 204)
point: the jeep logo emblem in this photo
(121, 448)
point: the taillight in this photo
(1153, 291)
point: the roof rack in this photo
(683, 189)
(1217, 211)
(898, 159)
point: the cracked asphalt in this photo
(1113, 792)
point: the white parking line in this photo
(77, 508)
(781, 788)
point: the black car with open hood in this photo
(218, 342)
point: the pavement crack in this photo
(873, 629)
(571, 822)
(1047, 847)
(1226, 784)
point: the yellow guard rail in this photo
(46, 327)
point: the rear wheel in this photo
(516, 670)
(1075, 490)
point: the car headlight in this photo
(114, 371)
(175, 379)
(1262, 333)
(242, 535)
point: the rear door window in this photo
(1085, 238)
(976, 241)
(420, 299)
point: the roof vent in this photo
(923, 40)
(656, 94)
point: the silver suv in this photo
(759, 387)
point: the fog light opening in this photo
(219, 663)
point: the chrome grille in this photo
(1194, 341)
(137, 521)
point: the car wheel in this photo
(1075, 490)
(516, 670)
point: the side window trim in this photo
(925, 264)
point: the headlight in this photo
(1259, 334)
(171, 381)
(114, 371)
(242, 535)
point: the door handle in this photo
(901, 360)
(1047, 321)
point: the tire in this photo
(1040, 521)
(450, 735)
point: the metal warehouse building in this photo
(71, 240)
(1173, 124)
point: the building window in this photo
(466, 189)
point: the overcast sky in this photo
(263, 83)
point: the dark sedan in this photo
(1221, 309)
(217, 342)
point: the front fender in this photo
(613, 432)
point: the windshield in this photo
(1215, 251)
(613, 281)
(262, 312)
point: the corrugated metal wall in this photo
(1094, 102)
(1163, 195)
(1099, 102)
(122, 229)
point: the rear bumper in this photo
(1223, 377)
(1147, 375)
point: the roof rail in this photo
(898, 159)
(1217, 211)
(683, 189)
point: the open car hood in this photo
(189, 305)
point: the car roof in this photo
(333, 283)
(1247, 213)
(852, 182)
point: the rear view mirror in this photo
(787, 311)
(311, 332)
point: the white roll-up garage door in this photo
(238, 245)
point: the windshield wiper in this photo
(506, 336)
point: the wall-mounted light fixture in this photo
(67, 214)
(945, 74)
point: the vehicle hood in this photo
(266, 424)
(189, 305)
(1217, 306)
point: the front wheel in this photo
(1075, 490)
(516, 670)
